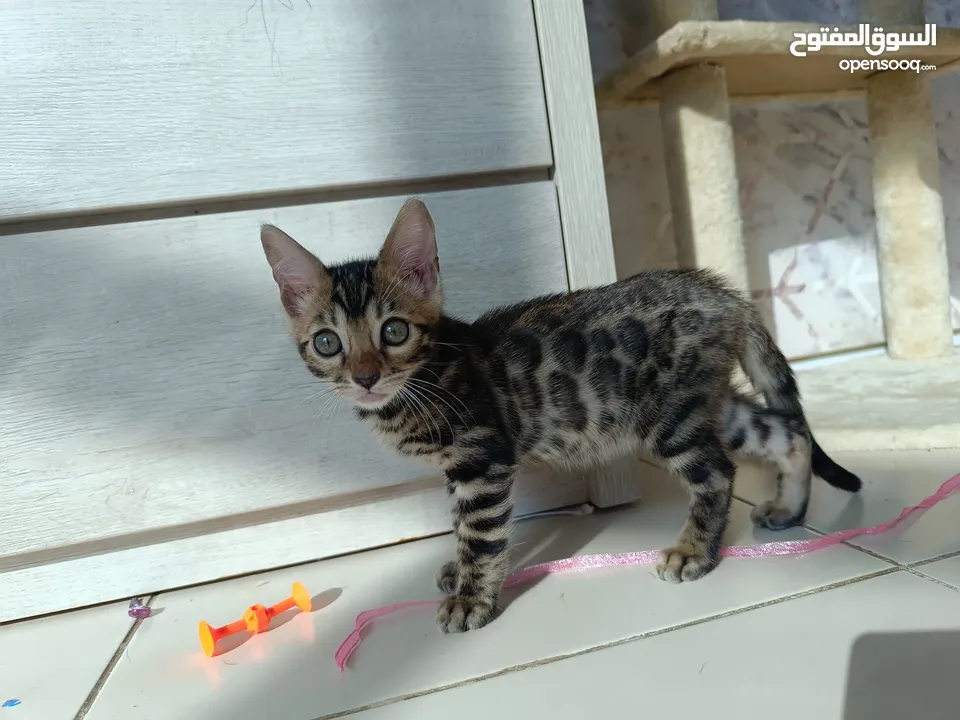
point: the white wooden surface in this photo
(165, 101)
(149, 392)
(578, 159)
(416, 509)
(581, 186)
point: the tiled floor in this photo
(845, 633)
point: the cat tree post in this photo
(849, 402)
(911, 237)
(699, 151)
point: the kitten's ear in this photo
(410, 250)
(299, 274)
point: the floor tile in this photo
(864, 651)
(946, 570)
(52, 663)
(891, 481)
(289, 673)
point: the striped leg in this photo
(482, 489)
(708, 473)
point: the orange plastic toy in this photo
(256, 619)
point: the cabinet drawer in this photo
(147, 380)
(170, 101)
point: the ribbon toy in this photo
(647, 557)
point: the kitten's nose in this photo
(367, 378)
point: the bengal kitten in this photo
(570, 379)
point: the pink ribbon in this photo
(647, 557)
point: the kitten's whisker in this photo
(463, 422)
(439, 411)
(429, 420)
(432, 372)
(440, 397)
(311, 398)
(423, 409)
(408, 406)
(313, 420)
(455, 346)
(333, 411)
(316, 417)
(432, 423)
(327, 402)
(442, 389)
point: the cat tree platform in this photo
(758, 64)
(878, 403)
(908, 398)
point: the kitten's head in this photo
(364, 326)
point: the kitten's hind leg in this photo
(708, 474)
(482, 488)
(781, 439)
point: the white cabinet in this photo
(157, 427)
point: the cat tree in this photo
(695, 66)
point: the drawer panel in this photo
(147, 380)
(111, 105)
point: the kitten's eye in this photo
(326, 343)
(395, 331)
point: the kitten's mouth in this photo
(371, 399)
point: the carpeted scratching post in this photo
(891, 13)
(911, 237)
(697, 64)
(699, 153)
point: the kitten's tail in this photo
(770, 373)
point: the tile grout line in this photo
(846, 543)
(937, 581)
(872, 553)
(936, 558)
(904, 565)
(849, 543)
(623, 641)
(114, 661)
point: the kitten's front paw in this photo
(458, 614)
(447, 578)
(680, 564)
(770, 516)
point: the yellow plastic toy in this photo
(256, 619)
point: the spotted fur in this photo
(571, 379)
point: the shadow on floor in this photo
(903, 675)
